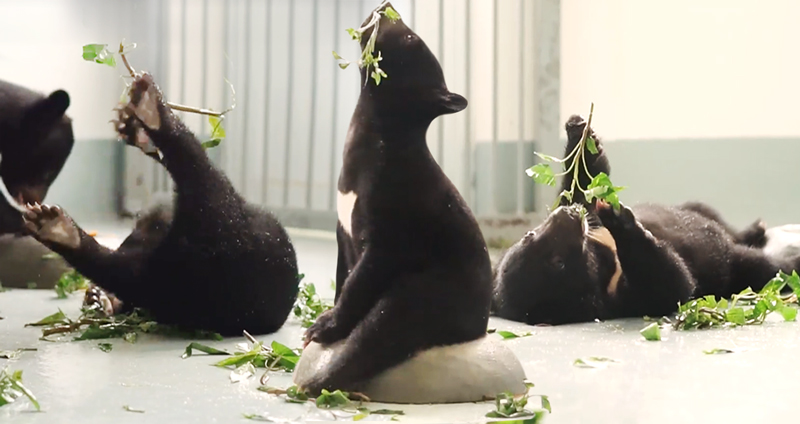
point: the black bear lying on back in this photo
(602, 264)
(215, 263)
(35, 141)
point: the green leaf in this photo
(608, 191)
(591, 146)
(105, 347)
(542, 174)
(11, 388)
(336, 55)
(129, 409)
(789, 313)
(548, 158)
(130, 337)
(214, 142)
(256, 417)
(794, 283)
(56, 318)
(99, 53)
(70, 282)
(652, 332)
(717, 351)
(387, 412)
(293, 393)
(377, 74)
(735, 316)
(217, 130)
(592, 362)
(354, 34)
(95, 332)
(344, 65)
(92, 51)
(202, 348)
(308, 306)
(546, 404)
(391, 14)
(330, 400)
(513, 335)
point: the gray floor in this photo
(654, 382)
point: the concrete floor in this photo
(654, 382)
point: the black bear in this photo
(588, 261)
(413, 271)
(36, 141)
(212, 262)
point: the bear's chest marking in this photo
(345, 202)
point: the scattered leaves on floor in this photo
(92, 325)
(508, 406)
(105, 347)
(129, 409)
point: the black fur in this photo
(35, 143)
(556, 274)
(415, 272)
(216, 264)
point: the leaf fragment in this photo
(652, 332)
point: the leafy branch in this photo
(309, 306)
(99, 53)
(368, 57)
(600, 186)
(93, 326)
(351, 402)
(745, 308)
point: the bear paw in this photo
(101, 301)
(325, 330)
(615, 221)
(142, 111)
(50, 225)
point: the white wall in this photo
(41, 46)
(682, 68)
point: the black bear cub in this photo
(35, 143)
(588, 261)
(212, 262)
(413, 270)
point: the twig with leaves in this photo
(368, 58)
(11, 388)
(600, 186)
(99, 53)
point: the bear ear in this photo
(44, 114)
(452, 103)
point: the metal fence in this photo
(293, 103)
